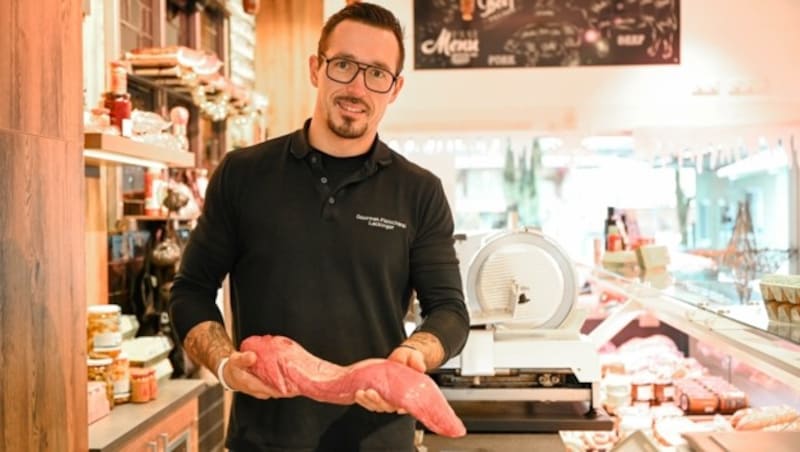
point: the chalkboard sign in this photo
(537, 33)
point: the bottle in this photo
(609, 228)
(117, 100)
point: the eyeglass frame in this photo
(362, 68)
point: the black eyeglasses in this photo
(344, 70)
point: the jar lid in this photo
(93, 362)
(104, 308)
(139, 372)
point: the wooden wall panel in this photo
(40, 54)
(42, 304)
(286, 35)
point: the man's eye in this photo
(342, 64)
(377, 73)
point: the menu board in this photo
(538, 33)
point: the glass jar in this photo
(99, 369)
(121, 378)
(103, 329)
(140, 385)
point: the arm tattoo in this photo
(207, 343)
(430, 346)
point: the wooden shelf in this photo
(103, 148)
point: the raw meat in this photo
(286, 366)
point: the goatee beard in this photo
(346, 129)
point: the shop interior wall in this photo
(286, 35)
(42, 305)
(723, 42)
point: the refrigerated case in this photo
(732, 339)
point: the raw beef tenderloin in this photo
(286, 366)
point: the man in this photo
(325, 233)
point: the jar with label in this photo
(642, 387)
(140, 385)
(103, 329)
(121, 378)
(99, 369)
(664, 390)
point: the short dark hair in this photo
(368, 14)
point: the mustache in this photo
(353, 100)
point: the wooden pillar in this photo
(42, 305)
(286, 35)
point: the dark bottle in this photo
(609, 228)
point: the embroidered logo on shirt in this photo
(380, 222)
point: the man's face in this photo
(351, 110)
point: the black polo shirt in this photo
(330, 262)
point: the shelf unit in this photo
(105, 148)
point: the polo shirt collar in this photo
(379, 153)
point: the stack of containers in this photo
(107, 364)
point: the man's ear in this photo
(313, 69)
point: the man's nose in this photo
(360, 80)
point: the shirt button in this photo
(323, 179)
(331, 200)
(313, 159)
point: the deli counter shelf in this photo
(105, 148)
(741, 330)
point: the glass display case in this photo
(742, 330)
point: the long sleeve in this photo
(435, 274)
(209, 255)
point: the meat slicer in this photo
(525, 343)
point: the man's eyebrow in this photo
(352, 57)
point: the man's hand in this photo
(208, 343)
(238, 377)
(371, 400)
(410, 356)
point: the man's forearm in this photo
(207, 343)
(430, 347)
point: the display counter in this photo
(734, 342)
(743, 353)
(739, 329)
(164, 424)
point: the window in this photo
(177, 26)
(136, 18)
(211, 31)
